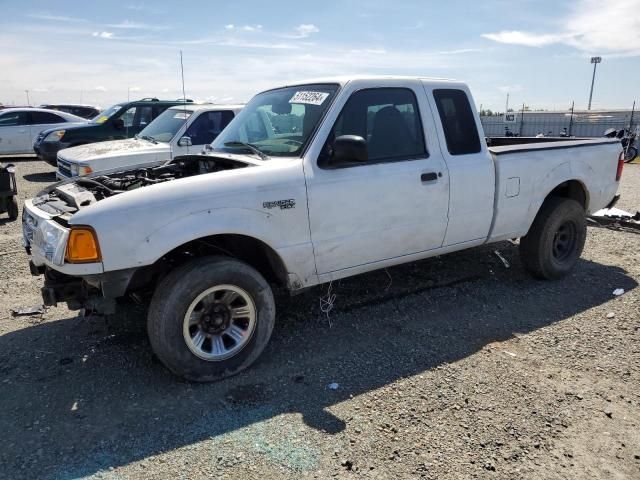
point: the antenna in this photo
(184, 96)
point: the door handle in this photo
(429, 176)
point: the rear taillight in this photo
(620, 166)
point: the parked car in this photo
(19, 127)
(310, 183)
(177, 131)
(84, 111)
(123, 120)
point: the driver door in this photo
(395, 203)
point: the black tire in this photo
(171, 301)
(630, 154)
(555, 240)
(12, 208)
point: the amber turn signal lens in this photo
(82, 246)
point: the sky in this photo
(537, 51)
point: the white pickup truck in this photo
(310, 183)
(179, 130)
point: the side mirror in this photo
(118, 123)
(185, 142)
(349, 149)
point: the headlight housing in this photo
(54, 136)
(50, 239)
(79, 169)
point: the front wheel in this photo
(211, 318)
(555, 240)
(630, 154)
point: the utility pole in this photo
(571, 118)
(506, 107)
(595, 61)
(28, 101)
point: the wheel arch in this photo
(251, 250)
(571, 188)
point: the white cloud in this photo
(103, 34)
(591, 27)
(244, 28)
(134, 89)
(510, 88)
(40, 90)
(129, 25)
(303, 31)
(515, 37)
(99, 88)
(57, 18)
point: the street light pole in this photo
(595, 61)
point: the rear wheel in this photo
(630, 154)
(211, 318)
(12, 208)
(556, 239)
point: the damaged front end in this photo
(48, 225)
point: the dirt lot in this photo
(454, 367)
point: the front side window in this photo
(13, 119)
(208, 126)
(278, 122)
(166, 125)
(128, 117)
(107, 114)
(458, 122)
(387, 118)
(41, 118)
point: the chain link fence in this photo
(578, 123)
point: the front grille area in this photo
(64, 168)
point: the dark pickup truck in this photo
(123, 120)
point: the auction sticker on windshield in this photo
(311, 98)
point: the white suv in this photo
(179, 130)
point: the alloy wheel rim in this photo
(219, 322)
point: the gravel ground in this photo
(453, 367)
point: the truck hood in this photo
(71, 128)
(73, 196)
(131, 147)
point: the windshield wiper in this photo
(147, 138)
(248, 146)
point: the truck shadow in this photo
(81, 395)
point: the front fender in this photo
(204, 223)
(283, 234)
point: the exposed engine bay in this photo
(65, 199)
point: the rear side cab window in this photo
(13, 119)
(42, 118)
(144, 116)
(458, 122)
(388, 119)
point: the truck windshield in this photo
(278, 123)
(166, 125)
(106, 114)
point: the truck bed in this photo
(526, 173)
(499, 145)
